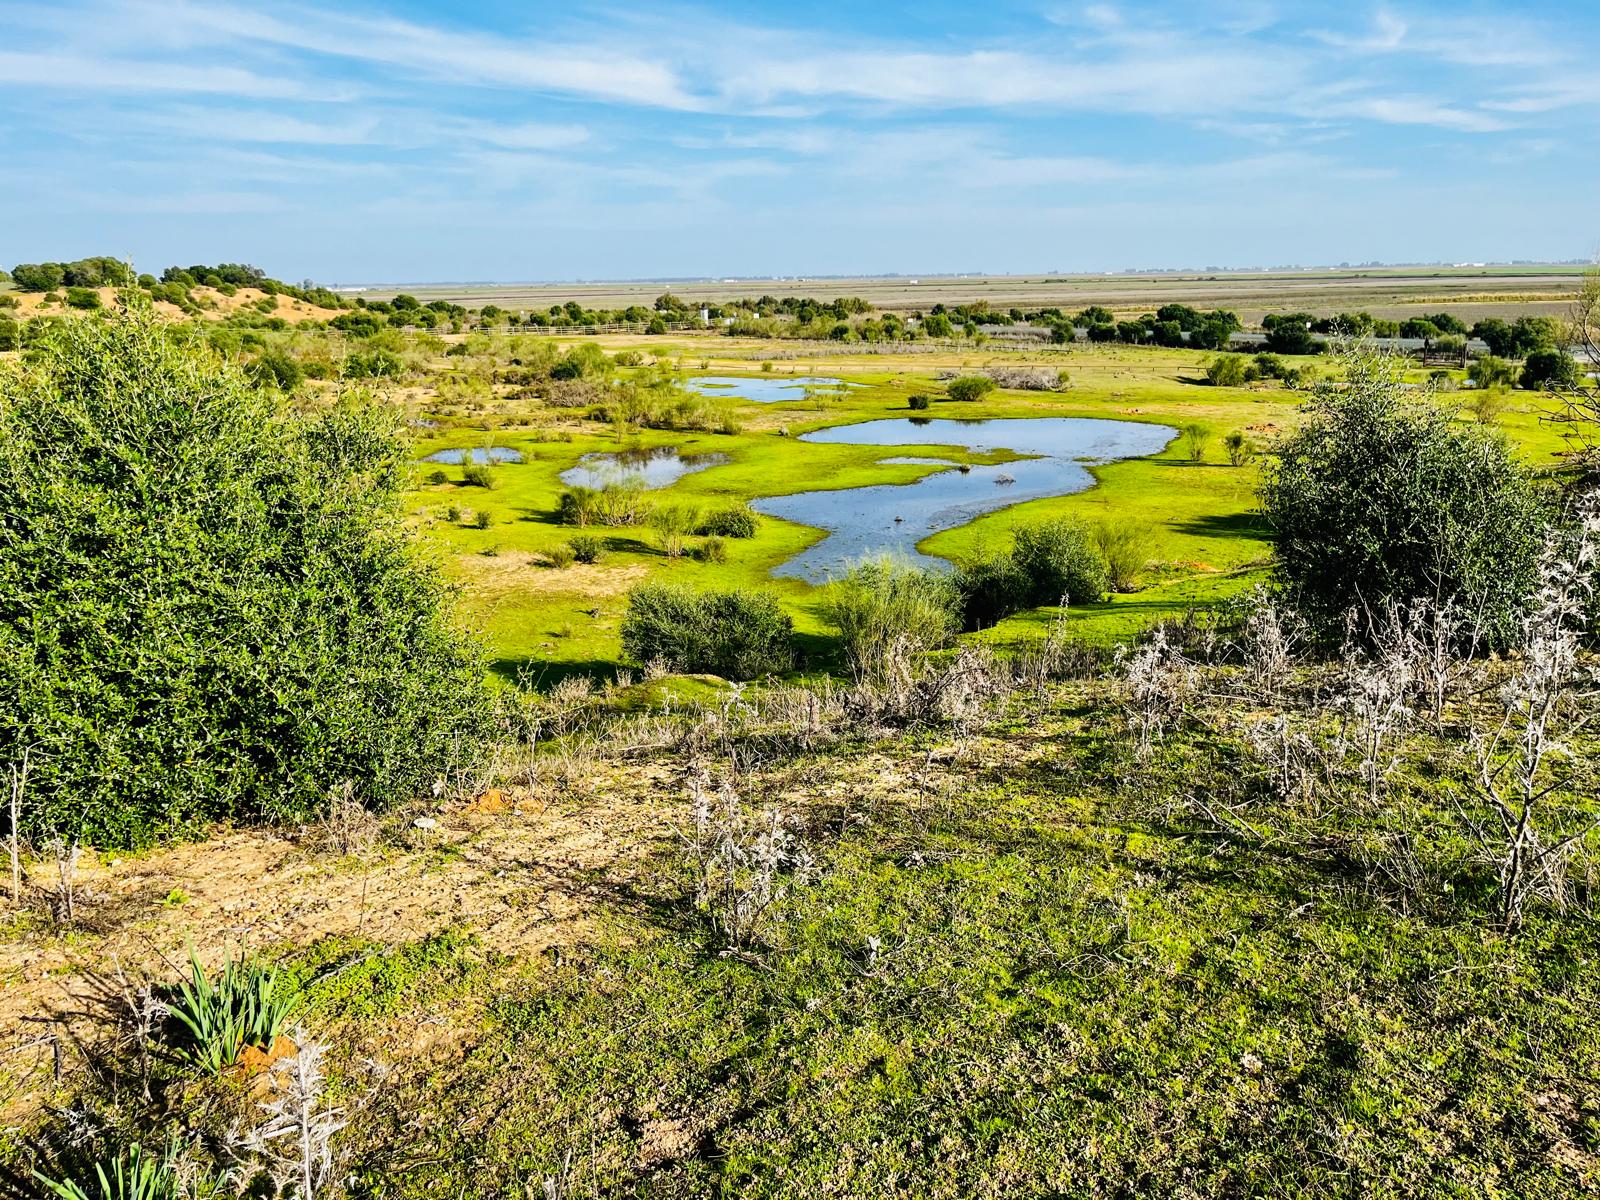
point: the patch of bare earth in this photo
(518, 870)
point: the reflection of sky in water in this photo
(656, 467)
(766, 389)
(893, 518)
(483, 454)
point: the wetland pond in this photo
(481, 456)
(892, 518)
(767, 389)
(655, 467)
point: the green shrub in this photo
(1056, 562)
(1549, 368)
(712, 550)
(437, 477)
(374, 364)
(1195, 440)
(1239, 447)
(1379, 497)
(560, 555)
(918, 401)
(224, 637)
(244, 1006)
(276, 368)
(82, 297)
(1227, 370)
(672, 523)
(1124, 546)
(475, 474)
(737, 522)
(737, 634)
(481, 519)
(884, 611)
(587, 549)
(969, 388)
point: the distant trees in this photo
(38, 277)
(96, 272)
(1290, 333)
(1549, 369)
(1517, 339)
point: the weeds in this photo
(243, 1006)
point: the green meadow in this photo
(542, 622)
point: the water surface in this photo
(655, 467)
(767, 389)
(481, 455)
(893, 518)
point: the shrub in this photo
(884, 610)
(276, 368)
(625, 502)
(1491, 372)
(737, 522)
(1239, 447)
(1195, 440)
(562, 554)
(737, 634)
(587, 548)
(375, 364)
(1378, 497)
(917, 401)
(481, 519)
(712, 550)
(82, 297)
(438, 477)
(478, 475)
(1056, 562)
(244, 1006)
(673, 523)
(1124, 546)
(225, 637)
(1227, 370)
(1550, 369)
(969, 388)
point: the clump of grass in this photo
(672, 524)
(1196, 439)
(1125, 546)
(243, 1006)
(1239, 447)
(737, 522)
(917, 400)
(477, 475)
(713, 550)
(886, 612)
(136, 1174)
(560, 555)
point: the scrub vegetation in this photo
(1228, 828)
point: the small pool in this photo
(656, 467)
(893, 518)
(767, 389)
(481, 455)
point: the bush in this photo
(276, 368)
(884, 611)
(625, 502)
(1491, 372)
(224, 638)
(917, 401)
(481, 519)
(1239, 447)
(969, 388)
(1550, 369)
(562, 554)
(1227, 370)
(1056, 562)
(1195, 440)
(1378, 497)
(244, 1006)
(737, 522)
(712, 550)
(587, 548)
(82, 297)
(737, 634)
(1124, 546)
(478, 475)
(377, 364)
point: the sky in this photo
(403, 141)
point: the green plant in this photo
(438, 477)
(736, 634)
(226, 636)
(1125, 547)
(481, 519)
(587, 548)
(917, 400)
(1380, 497)
(969, 388)
(885, 611)
(475, 474)
(1227, 370)
(712, 550)
(243, 1006)
(672, 524)
(1240, 450)
(135, 1174)
(737, 522)
(1195, 440)
(560, 555)
(1055, 562)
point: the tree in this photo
(1227, 370)
(209, 608)
(1096, 314)
(1549, 369)
(1290, 333)
(1379, 497)
(37, 277)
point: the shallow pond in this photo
(893, 518)
(484, 454)
(656, 467)
(766, 389)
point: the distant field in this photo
(1470, 292)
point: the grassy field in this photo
(543, 622)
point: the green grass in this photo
(546, 622)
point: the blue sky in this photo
(515, 141)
